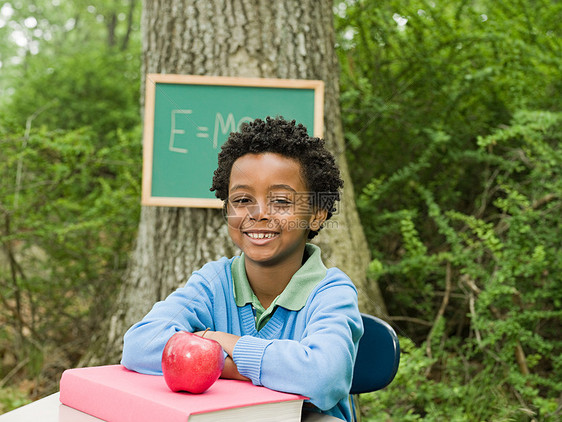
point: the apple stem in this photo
(205, 332)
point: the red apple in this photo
(191, 363)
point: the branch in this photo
(26, 136)
(521, 359)
(410, 319)
(544, 200)
(440, 313)
(130, 22)
(13, 372)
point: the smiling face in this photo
(269, 215)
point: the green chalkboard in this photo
(188, 118)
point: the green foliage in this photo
(95, 89)
(69, 212)
(70, 143)
(12, 398)
(500, 339)
(47, 30)
(411, 69)
(463, 393)
(458, 187)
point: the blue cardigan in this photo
(310, 352)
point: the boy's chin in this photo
(262, 259)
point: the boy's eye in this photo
(240, 201)
(280, 203)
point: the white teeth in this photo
(261, 235)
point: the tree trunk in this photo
(292, 39)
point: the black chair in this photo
(378, 357)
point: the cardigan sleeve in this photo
(189, 308)
(318, 365)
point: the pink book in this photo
(115, 394)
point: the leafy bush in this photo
(69, 213)
(494, 349)
(70, 143)
(458, 186)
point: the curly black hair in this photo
(277, 135)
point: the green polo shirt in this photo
(294, 296)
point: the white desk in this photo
(50, 409)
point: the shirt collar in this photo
(296, 293)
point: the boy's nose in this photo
(258, 211)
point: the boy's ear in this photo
(318, 218)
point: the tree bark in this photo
(292, 39)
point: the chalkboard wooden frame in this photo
(152, 80)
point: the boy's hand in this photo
(227, 341)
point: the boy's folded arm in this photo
(144, 342)
(319, 366)
(230, 371)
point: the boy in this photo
(284, 320)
